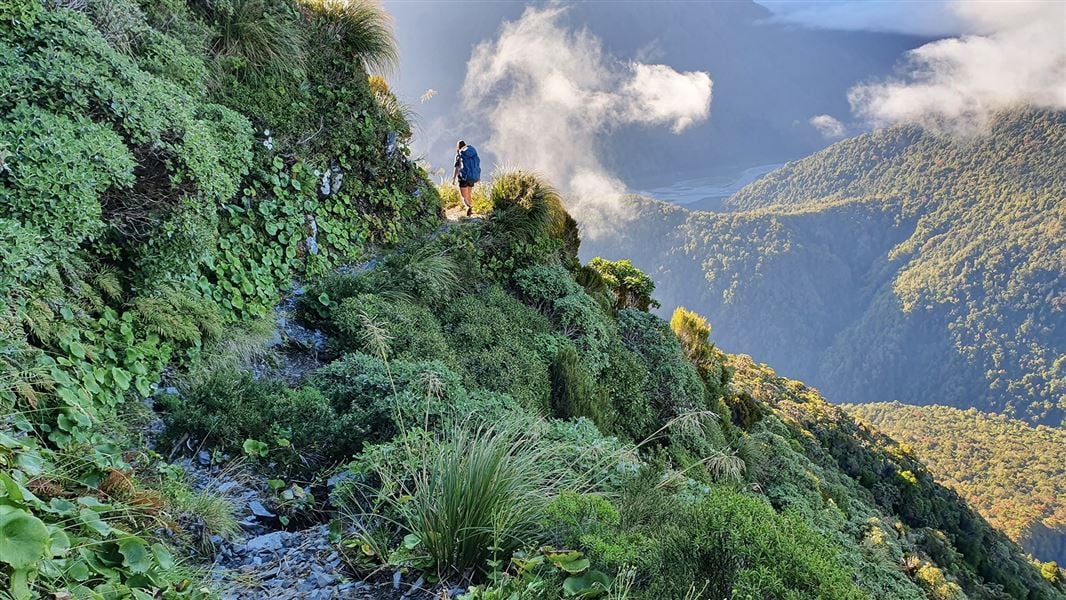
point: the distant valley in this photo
(897, 265)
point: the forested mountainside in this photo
(898, 265)
(1011, 472)
(243, 355)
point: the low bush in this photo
(379, 399)
(625, 381)
(573, 393)
(229, 407)
(497, 340)
(629, 285)
(674, 386)
(725, 543)
(575, 314)
(414, 333)
(693, 331)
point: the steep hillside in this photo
(1011, 472)
(242, 355)
(896, 265)
(166, 169)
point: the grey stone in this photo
(270, 541)
(339, 477)
(227, 486)
(259, 510)
(325, 579)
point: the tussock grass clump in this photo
(361, 27)
(450, 198)
(265, 37)
(526, 206)
(461, 499)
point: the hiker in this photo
(467, 171)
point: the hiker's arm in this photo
(455, 175)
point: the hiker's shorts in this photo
(467, 182)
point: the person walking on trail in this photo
(467, 172)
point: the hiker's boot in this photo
(470, 211)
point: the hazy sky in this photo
(588, 93)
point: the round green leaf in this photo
(23, 539)
(135, 555)
(590, 585)
(163, 556)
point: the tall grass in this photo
(472, 497)
(264, 37)
(525, 206)
(362, 28)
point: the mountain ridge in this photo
(965, 265)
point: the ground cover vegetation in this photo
(166, 168)
(493, 414)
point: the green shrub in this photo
(228, 407)
(745, 410)
(594, 284)
(413, 331)
(573, 393)
(316, 306)
(693, 331)
(732, 543)
(674, 386)
(54, 171)
(378, 399)
(575, 313)
(496, 339)
(625, 381)
(630, 286)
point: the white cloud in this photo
(549, 94)
(661, 94)
(829, 127)
(957, 83)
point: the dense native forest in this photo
(1011, 472)
(897, 265)
(242, 354)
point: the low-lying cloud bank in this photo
(549, 94)
(1015, 55)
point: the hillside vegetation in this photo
(221, 270)
(895, 265)
(165, 170)
(1012, 473)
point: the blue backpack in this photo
(471, 170)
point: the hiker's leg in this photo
(465, 192)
